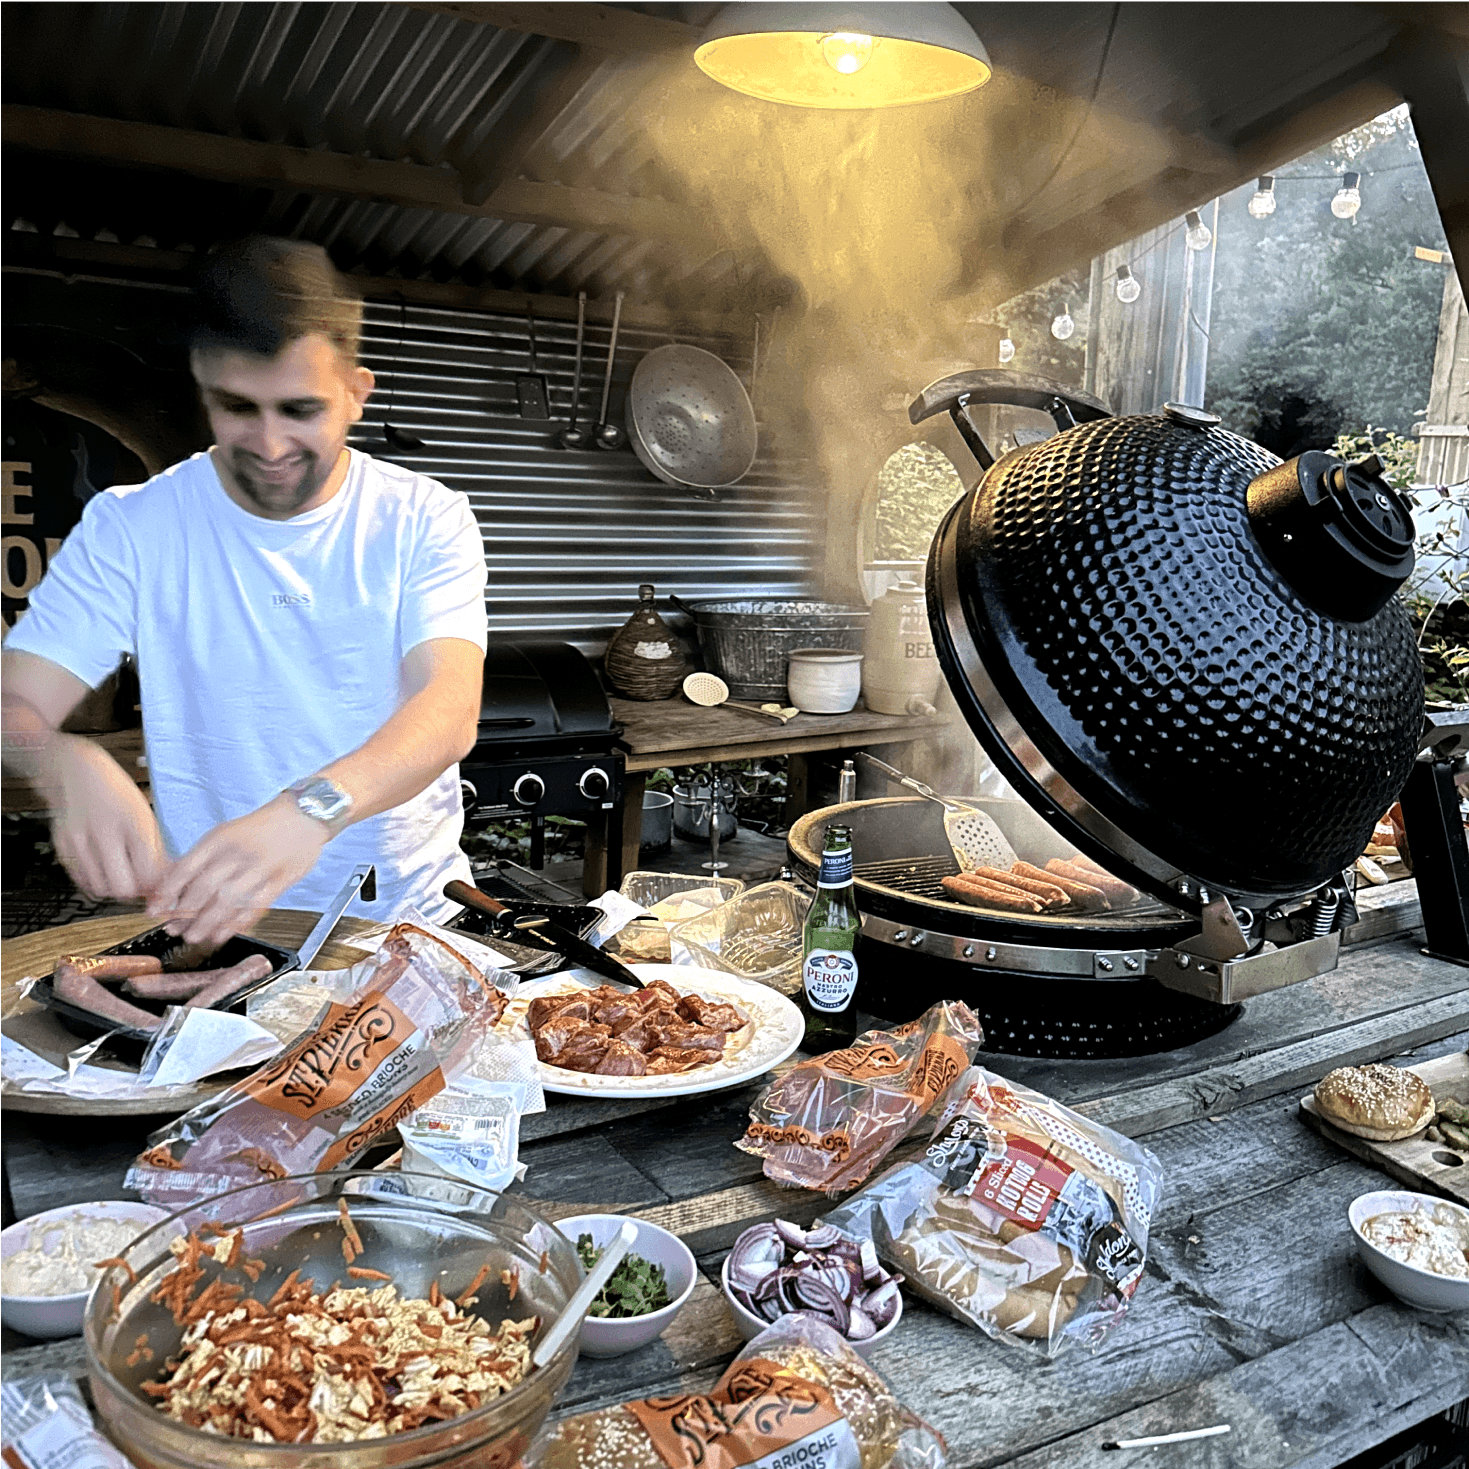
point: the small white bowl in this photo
(1422, 1288)
(57, 1316)
(611, 1336)
(751, 1325)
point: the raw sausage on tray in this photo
(77, 986)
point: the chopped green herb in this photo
(636, 1288)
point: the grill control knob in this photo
(468, 796)
(594, 783)
(528, 790)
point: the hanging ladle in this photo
(608, 435)
(400, 440)
(572, 437)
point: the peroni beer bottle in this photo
(829, 965)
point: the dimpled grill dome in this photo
(1123, 606)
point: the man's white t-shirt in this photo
(267, 649)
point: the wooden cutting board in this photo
(41, 1031)
(1432, 1168)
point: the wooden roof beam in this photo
(277, 165)
(613, 28)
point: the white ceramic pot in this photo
(611, 1336)
(750, 1325)
(1422, 1288)
(824, 680)
(900, 666)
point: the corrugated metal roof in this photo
(387, 82)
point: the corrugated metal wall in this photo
(569, 535)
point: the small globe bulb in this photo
(1197, 235)
(1262, 201)
(1129, 287)
(846, 51)
(1007, 349)
(1063, 326)
(1348, 199)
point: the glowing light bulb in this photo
(1348, 200)
(846, 51)
(1129, 287)
(1262, 201)
(1063, 326)
(1007, 348)
(1196, 234)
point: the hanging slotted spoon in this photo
(973, 834)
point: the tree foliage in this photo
(1323, 325)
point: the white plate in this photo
(775, 1030)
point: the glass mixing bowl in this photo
(415, 1228)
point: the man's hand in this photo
(228, 880)
(103, 829)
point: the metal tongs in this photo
(363, 878)
(537, 931)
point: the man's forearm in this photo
(28, 736)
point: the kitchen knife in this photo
(540, 932)
(365, 878)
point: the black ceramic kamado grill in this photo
(1186, 658)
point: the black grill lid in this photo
(540, 688)
(1146, 675)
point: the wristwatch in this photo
(321, 799)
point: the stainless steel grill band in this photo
(569, 535)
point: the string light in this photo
(1262, 202)
(1129, 288)
(1348, 198)
(1007, 347)
(1196, 234)
(1063, 326)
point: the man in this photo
(309, 629)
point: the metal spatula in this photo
(973, 834)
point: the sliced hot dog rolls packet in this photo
(414, 1016)
(828, 1122)
(797, 1395)
(1023, 1217)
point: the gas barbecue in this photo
(546, 744)
(1186, 659)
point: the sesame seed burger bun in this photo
(1380, 1102)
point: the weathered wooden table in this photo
(674, 732)
(1254, 1310)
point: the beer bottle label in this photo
(830, 978)
(836, 869)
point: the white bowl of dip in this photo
(1402, 1259)
(43, 1257)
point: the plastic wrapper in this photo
(828, 1122)
(416, 1014)
(46, 1426)
(1023, 1217)
(797, 1395)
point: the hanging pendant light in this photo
(1007, 348)
(1063, 327)
(1129, 287)
(843, 56)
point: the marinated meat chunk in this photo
(583, 1052)
(556, 1034)
(621, 1059)
(660, 992)
(635, 1033)
(688, 1037)
(710, 1015)
(667, 1059)
(543, 1007)
(615, 1010)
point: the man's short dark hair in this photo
(260, 294)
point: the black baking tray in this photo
(169, 948)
